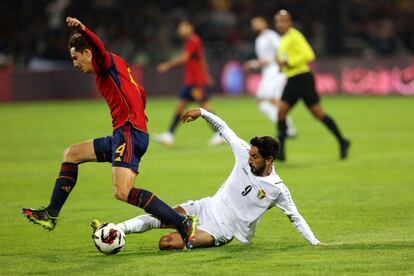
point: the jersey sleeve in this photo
(99, 53)
(238, 145)
(285, 203)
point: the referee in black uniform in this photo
(293, 57)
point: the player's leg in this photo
(285, 203)
(142, 223)
(174, 241)
(282, 128)
(124, 190)
(291, 129)
(330, 123)
(268, 108)
(312, 100)
(265, 93)
(129, 145)
(167, 138)
(288, 100)
(72, 157)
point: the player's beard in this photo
(259, 170)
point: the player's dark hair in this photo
(185, 20)
(267, 146)
(78, 42)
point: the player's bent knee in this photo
(281, 115)
(71, 154)
(121, 193)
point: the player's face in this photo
(256, 162)
(82, 60)
(282, 23)
(184, 30)
(257, 25)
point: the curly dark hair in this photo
(78, 42)
(267, 146)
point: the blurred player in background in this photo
(252, 188)
(273, 81)
(124, 149)
(293, 57)
(196, 77)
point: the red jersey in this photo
(126, 99)
(194, 69)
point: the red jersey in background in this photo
(194, 70)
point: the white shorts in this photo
(208, 222)
(271, 86)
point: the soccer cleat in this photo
(40, 217)
(216, 140)
(345, 144)
(165, 138)
(95, 224)
(188, 231)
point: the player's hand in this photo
(252, 64)
(75, 24)
(163, 67)
(246, 66)
(191, 115)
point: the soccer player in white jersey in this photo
(272, 81)
(252, 188)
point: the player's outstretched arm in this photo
(178, 60)
(99, 52)
(225, 131)
(255, 64)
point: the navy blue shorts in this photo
(123, 149)
(194, 93)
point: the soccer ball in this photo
(109, 238)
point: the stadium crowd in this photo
(144, 31)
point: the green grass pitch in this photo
(362, 207)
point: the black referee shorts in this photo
(300, 86)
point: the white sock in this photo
(268, 109)
(140, 224)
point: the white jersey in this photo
(266, 45)
(273, 81)
(244, 197)
(238, 205)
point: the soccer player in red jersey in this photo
(196, 77)
(124, 149)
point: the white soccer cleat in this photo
(165, 138)
(216, 140)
